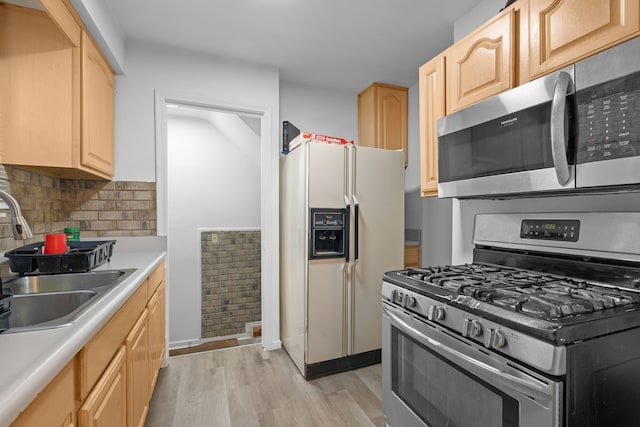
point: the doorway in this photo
(210, 177)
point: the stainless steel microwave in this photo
(577, 129)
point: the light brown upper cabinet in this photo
(382, 117)
(97, 110)
(432, 107)
(57, 115)
(482, 63)
(565, 31)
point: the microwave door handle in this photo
(525, 386)
(558, 130)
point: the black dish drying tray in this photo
(80, 257)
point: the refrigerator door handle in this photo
(356, 229)
(346, 269)
(347, 200)
(353, 174)
(347, 231)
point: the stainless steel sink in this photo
(43, 302)
(43, 309)
(63, 282)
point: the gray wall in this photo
(476, 17)
(412, 200)
(430, 215)
(321, 111)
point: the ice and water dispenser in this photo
(328, 233)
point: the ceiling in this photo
(334, 44)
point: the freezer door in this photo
(378, 220)
(327, 171)
(326, 310)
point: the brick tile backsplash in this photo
(231, 291)
(98, 208)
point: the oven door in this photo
(432, 378)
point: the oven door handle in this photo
(558, 129)
(531, 388)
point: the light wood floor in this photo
(246, 386)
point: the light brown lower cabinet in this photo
(137, 345)
(106, 404)
(55, 406)
(111, 379)
(412, 256)
(157, 328)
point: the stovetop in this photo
(544, 296)
(548, 305)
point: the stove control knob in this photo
(471, 328)
(397, 297)
(435, 313)
(410, 301)
(494, 338)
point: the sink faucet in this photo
(21, 230)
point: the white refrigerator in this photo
(341, 228)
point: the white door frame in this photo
(269, 198)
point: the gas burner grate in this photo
(536, 294)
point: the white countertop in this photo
(30, 360)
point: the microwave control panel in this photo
(607, 126)
(567, 230)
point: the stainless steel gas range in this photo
(541, 329)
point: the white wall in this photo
(321, 111)
(184, 75)
(214, 182)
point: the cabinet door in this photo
(412, 256)
(392, 106)
(367, 118)
(157, 339)
(137, 361)
(432, 107)
(39, 89)
(382, 117)
(97, 110)
(482, 64)
(564, 31)
(106, 405)
(54, 406)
